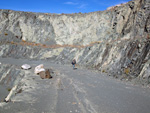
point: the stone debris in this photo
(26, 67)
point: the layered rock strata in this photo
(115, 41)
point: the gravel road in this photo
(74, 91)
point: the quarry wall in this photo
(115, 41)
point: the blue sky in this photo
(59, 6)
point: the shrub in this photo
(98, 42)
(103, 71)
(9, 89)
(126, 71)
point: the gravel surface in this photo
(74, 91)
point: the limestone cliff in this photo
(114, 41)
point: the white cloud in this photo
(71, 3)
(79, 5)
(82, 6)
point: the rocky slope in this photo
(115, 41)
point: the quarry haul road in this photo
(74, 91)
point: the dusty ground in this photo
(74, 91)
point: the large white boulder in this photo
(39, 69)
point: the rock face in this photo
(116, 41)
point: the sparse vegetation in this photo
(103, 71)
(9, 89)
(126, 71)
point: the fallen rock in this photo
(8, 98)
(26, 66)
(45, 74)
(39, 68)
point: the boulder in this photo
(26, 66)
(39, 68)
(45, 74)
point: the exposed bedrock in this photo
(116, 41)
(10, 78)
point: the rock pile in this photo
(44, 73)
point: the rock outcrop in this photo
(10, 77)
(116, 41)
